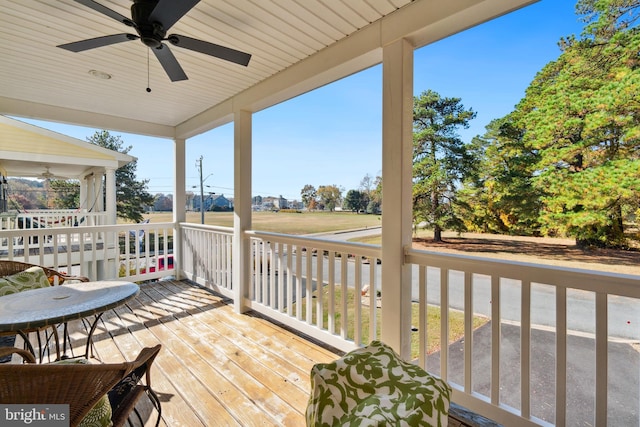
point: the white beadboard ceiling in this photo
(296, 45)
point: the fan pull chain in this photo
(148, 88)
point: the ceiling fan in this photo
(152, 19)
(47, 175)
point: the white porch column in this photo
(110, 264)
(97, 201)
(397, 156)
(179, 201)
(110, 184)
(84, 193)
(242, 207)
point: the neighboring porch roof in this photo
(31, 151)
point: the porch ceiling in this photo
(296, 46)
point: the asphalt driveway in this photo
(624, 373)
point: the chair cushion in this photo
(372, 386)
(31, 278)
(100, 414)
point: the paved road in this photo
(624, 358)
(624, 313)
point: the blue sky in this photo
(332, 136)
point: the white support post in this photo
(97, 200)
(242, 208)
(84, 194)
(111, 208)
(397, 166)
(109, 268)
(179, 201)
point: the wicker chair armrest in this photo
(26, 355)
(64, 277)
(124, 395)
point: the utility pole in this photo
(199, 166)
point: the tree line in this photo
(367, 198)
(564, 162)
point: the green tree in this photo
(494, 193)
(309, 195)
(330, 196)
(581, 115)
(356, 201)
(66, 193)
(375, 197)
(131, 195)
(440, 160)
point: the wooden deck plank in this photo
(277, 376)
(217, 373)
(216, 367)
(277, 362)
(192, 396)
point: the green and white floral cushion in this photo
(31, 278)
(372, 386)
(100, 414)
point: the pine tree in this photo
(131, 195)
(440, 160)
(581, 115)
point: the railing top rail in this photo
(85, 229)
(575, 278)
(364, 249)
(228, 230)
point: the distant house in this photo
(269, 203)
(213, 202)
(220, 203)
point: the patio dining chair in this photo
(97, 394)
(8, 268)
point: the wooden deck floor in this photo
(216, 367)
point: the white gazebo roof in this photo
(30, 151)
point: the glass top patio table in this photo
(28, 311)
(58, 304)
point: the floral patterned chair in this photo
(372, 386)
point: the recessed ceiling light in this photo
(100, 74)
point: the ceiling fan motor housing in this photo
(151, 33)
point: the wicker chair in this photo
(80, 386)
(8, 268)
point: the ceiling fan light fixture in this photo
(99, 74)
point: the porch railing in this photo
(544, 310)
(51, 218)
(206, 256)
(134, 252)
(330, 291)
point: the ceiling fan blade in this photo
(169, 63)
(168, 12)
(207, 48)
(98, 42)
(104, 10)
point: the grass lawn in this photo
(456, 320)
(283, 222)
